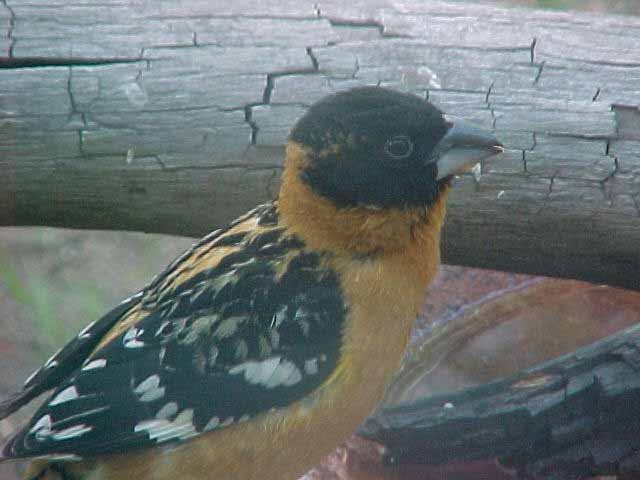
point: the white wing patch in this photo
(153, 395)
(67, 457)
(130, 339)
(84, 333)
(66, 395)
(227, 422)
(150, 389)
(212, 424)
(228, 327)
(149, 383)
(42, 427)
(162, 430)
(167, 411)
(94, 364)
(51, 362)
(270, 373)
(43, 431)
(311, 366)
(71, 432)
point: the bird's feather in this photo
(247, 321)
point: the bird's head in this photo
(374, 152)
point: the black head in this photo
(372, 147)
(375, 147)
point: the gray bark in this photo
(170, 116)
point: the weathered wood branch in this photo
(169, 116)
(572, 417)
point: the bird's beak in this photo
(463, 146)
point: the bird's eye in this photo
(399, 147)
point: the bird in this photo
(261, 348)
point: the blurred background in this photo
(53, 282)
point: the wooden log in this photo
(170, 116)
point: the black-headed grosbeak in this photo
(255, 353)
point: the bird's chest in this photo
(384, 298)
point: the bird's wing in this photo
(70, 357)
(245, 322)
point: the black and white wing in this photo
(245, 322)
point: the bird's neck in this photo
(352, 231)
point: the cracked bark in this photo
(192, 107)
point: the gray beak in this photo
(463, 146)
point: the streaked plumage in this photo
(245, 322)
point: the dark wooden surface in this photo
(543, 376)
(169, 116)
(573, 417)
